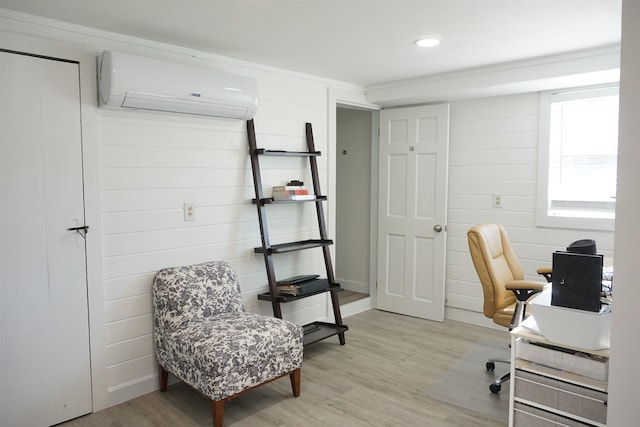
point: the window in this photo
(577, 163)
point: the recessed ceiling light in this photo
(427, 42)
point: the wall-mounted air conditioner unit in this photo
(133, 82)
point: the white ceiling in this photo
(359, 41)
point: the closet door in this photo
(45, 373)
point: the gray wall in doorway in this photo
(353, 198)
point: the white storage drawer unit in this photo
(554, 386)
(561, 397)
(530, 416)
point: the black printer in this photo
(576, 279)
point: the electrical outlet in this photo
(497, 201)
(189, 212)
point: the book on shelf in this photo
(293, 196)
(303, 288)
(289, 290)
(294, 190)
(291, 193)
(290, 189)
(297, 279)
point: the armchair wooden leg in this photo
(164, 377)
(217, 412)
(295, 382)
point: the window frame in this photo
(543, 219)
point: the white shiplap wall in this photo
(151, 164)
(493, 150)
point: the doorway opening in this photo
(355, 129)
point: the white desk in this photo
(551, 387)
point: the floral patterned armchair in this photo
(204, 337)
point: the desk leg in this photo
(512, 388)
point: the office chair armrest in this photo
(525, 285)
(546, 272)
(525, 288)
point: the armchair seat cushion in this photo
(230, 352)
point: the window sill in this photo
(577, 223)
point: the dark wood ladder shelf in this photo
(315, 331)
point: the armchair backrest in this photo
(195, 293)
(496, 264)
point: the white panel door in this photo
(45, 374)
(412, 210)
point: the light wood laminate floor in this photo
(379, 378)
(346, 296)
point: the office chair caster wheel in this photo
(491, 366)
(495, 388)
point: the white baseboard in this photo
(132, 389)
(356, 307)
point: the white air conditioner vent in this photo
(133, 82)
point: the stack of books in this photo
(301, 285)
(291, 192)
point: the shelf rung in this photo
(264, 152)
(288, 298)
(270, 201)
(316, 331)
(294, 246)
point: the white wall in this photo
(624, 375)
(149, 165)
(493, 150)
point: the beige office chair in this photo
(505, 290)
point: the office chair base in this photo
(491, 363)
(496, 386)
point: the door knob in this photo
(437, 228)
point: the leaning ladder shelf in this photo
(314, 331)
